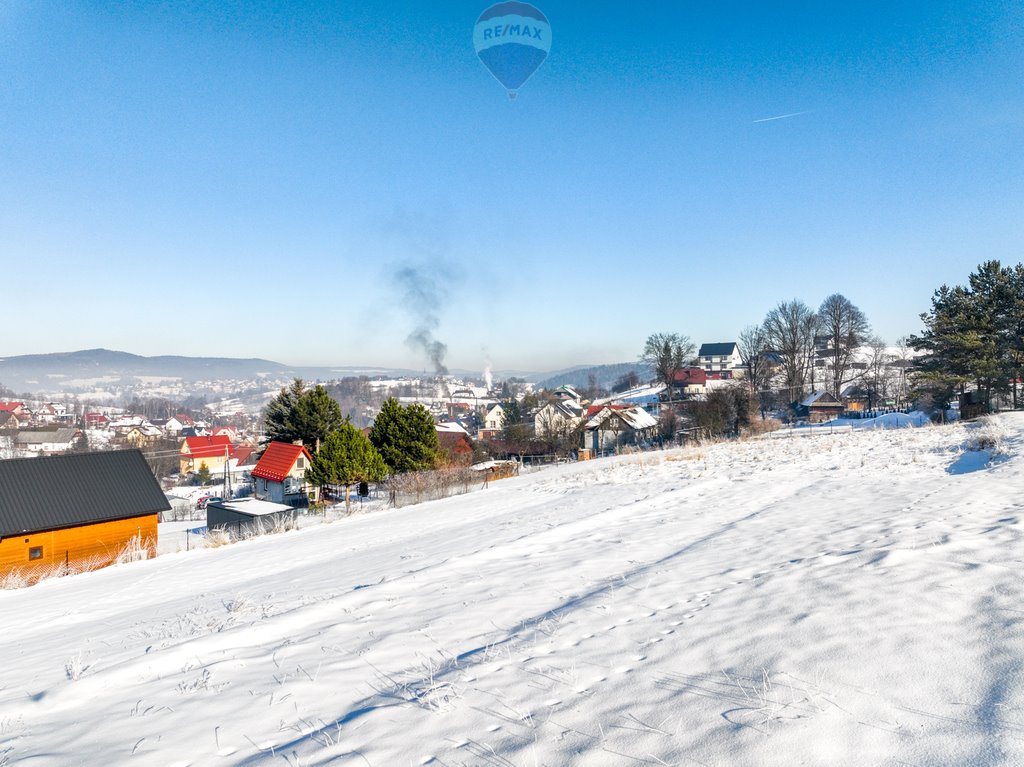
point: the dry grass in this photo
(693, 454)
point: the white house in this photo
(46, 441)
(721, 360)
(492, 422)
(558, 418)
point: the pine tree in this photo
(405, 437)
(298, 413)
(346, 457)
(203, 476)
(973, 336)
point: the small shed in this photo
(249, 516)
(820, 406)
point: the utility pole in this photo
(227, 474)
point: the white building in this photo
(721, 360)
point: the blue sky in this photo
(244, 179)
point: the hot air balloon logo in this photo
(512, 39)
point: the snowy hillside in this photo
(843, 599)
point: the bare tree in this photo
(789, 331)
(845, 328)
(667, 353)
(753, 349)
(877, 381)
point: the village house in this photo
(612, 426)
(617, 425)
(19, 411)
(80, 510)
(95, 421)
(558, 418)
(455, 443)
(721, 360)
(493, 422)
(8, 421)
(45, 441)
(213, 452)
(139, 436)
(688, 382)
(280, 474)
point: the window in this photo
(36, 552)
(298, 463)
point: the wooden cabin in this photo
(76, 511)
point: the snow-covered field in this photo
(843, 599)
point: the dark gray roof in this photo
(82, 488)
(716, 350)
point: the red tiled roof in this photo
(690, 376)
(243, 453)
(207, 447)
(184, 420)
(11, 405)
(595, 409)
(95, 418)
(278, 460)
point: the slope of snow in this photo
(843, 599)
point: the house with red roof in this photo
(689, 381)
(456, 445)
(213, 452)
(280, 474)
(8, 421)
(95, 421)
(18, 410)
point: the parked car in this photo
(206, 499)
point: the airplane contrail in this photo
(782, 117)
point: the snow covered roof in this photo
(252, 507)
(450, 427)
(820, 398)
(636, 418)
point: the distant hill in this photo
(84, 370)
(51, 371)
(604, 375)
(71, 371)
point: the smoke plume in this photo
(423, 299)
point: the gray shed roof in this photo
(59, 491)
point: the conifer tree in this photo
(298, 413)
(345, 458)
(406, 437)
